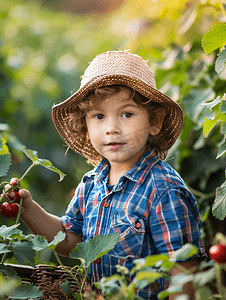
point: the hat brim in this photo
(60, 112)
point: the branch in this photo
(202, 195)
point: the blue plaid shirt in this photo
(150, 207)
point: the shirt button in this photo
(138, 225)
(106, 204)
(97, 261)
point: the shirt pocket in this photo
(131, 235)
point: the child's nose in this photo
(112, 126)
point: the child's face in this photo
(118, 130)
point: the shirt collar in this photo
(140, 170)
(137, 173)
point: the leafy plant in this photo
(147, 270)
(211, 41)
(24, 247)
(30, 86)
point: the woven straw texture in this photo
(109, 68)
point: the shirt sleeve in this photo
(73, 218)
(175, 222)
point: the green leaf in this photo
(187, 251)
(223, 107)
(109, 285)
(4, 148)
(151, 261)
(222, 150)
(215, 38)
(219, 206)
(5, 157)
(4, 248)
(6, 285)
(223, 128)
(25, 291)
(57, 239)
(206, 214)
(24, 252)
(95, 247)
(220, 61)
(195, 99)
(202, 278)
(204, 293)
(7, 232)
(148, 276)
(8, 270)
(208, 125)
(33, 155)
(66, 287)
(181, 279)
(39, 243)
(213, 103)
(77, 296)
(5, 162)
(170, 291)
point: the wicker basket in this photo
(49, 279)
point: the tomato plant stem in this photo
(184, 270)
(202, 195)
(69, 272)
(22, 177)
(4, 183)
(4, 192)
(86, 274)
(18, 215)
(218, 279)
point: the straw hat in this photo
(109, 68)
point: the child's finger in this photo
(24, 194)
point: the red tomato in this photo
(14, 183)
(15, 198)
(9, 210)
(218, 253)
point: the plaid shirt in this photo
(150, 207)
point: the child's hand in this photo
(24, 194)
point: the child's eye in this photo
(127, 115)
(99, 116)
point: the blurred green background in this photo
(45, 46)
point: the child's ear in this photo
(156, 125)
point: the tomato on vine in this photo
(218, 253)
(9, 210)
(16, 197)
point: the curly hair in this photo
(77, 124)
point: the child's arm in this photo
(42, 223)
(188, 288)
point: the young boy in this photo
(124, 127)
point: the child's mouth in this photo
(115, 146)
